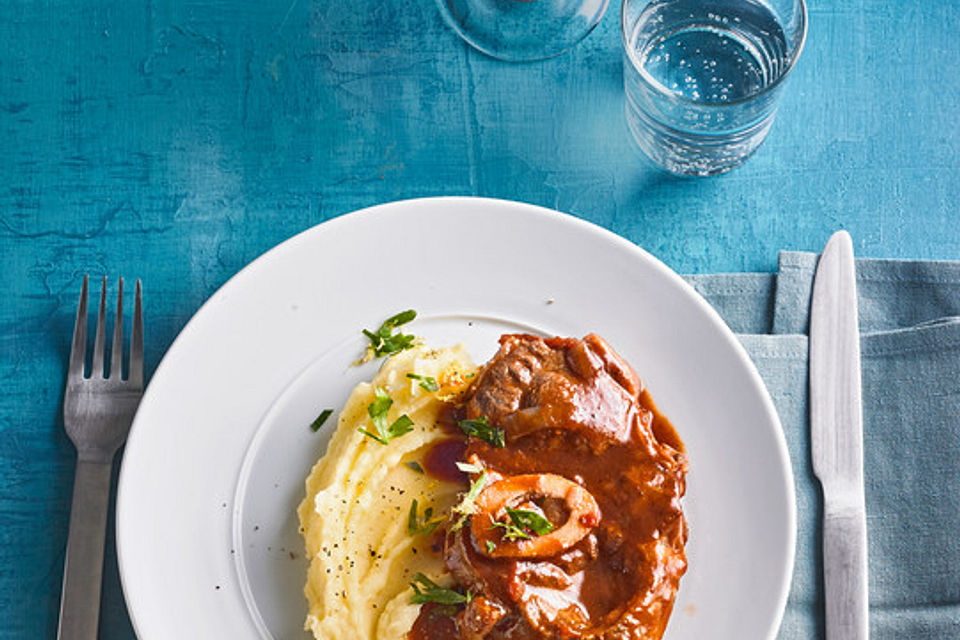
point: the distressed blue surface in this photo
(178, 141)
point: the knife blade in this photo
(836, 434)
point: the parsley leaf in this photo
(416, 525)
(316, 424)
(400, 319)
(381, 403)
(530, 520)
(377, 410)
(429, 591)
(510, 531)
(521, 521)
(426, 382)
(491, 546)
(476, 487)
(384, 342)
(482, 429)
(400, 426)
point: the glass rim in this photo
(681, 98)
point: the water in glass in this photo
(701, 79)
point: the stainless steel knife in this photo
(836, 432)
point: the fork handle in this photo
(83, 566)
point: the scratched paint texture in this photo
(176, 141)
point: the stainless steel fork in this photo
(97, 412)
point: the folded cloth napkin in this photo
(910, 352)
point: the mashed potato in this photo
(354, 516)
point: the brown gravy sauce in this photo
(440, 460)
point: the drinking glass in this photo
(522, 30)
(703, 77)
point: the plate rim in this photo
(579, 224)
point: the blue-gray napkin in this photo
(910, 350)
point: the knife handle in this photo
(845, 573)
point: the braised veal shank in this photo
(587, 451)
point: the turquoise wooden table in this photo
(176, 141)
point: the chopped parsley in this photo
(427, 383)
(510, 531)
(491, 546)
(421, 526)
(377, 411)
(530, 520)
(316, 424)
(426, 590)
(384, 342)
(522, 521)
(482, 429)
(413, 465)
(467, 505)
(381, 403)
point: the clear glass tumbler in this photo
(703, 77)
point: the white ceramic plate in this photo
(215, 463)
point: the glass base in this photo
(522, 30)
(692, 154)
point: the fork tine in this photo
(79, 347)
(96, 366)
(135, 374)
(116, 354)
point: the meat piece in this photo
(576, 558)
(478, 618)
(561, 383)
(434, 623)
